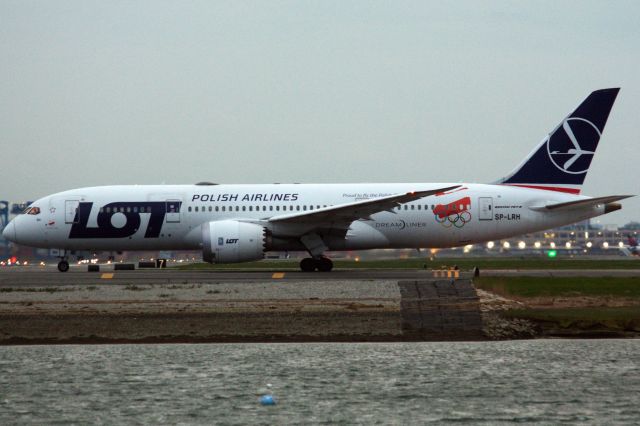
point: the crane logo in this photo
(572, 145)
(455, 213)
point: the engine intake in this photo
(231, 241)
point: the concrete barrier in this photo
(440, 310)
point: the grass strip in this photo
(585, 319)
(624, 287)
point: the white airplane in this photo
(238, 223)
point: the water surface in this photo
(549, 381)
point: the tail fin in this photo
(561, 161)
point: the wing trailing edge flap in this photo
(588, 202)
(348, 212)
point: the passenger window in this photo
(210, 208)
(264, 208)
(419, 207)
(237, 208)
(304, 208)
(244, 208)
(278, 208)
(412, 206)
(298, 208)
(216, 208)
(223, 208)
(270, 208)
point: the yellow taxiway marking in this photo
(278, 275)
(106, 276)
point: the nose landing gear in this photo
(63, 266)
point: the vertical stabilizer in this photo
(561, 161)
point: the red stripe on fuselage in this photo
(548, 188)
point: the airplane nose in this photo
(9, 232)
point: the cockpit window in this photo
(33, 211)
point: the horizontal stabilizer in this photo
(582, 203)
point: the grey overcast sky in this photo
(118, 92)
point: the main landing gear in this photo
(316, 247)
(310, 264)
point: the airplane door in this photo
(486, 208)
(71, 211)
(173, 211)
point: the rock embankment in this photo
(496, 326)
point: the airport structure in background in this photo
(581, 239)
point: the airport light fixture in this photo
(605, 245)
(490, 244)
(552, 253)
(537, 244)
(506, 244)
(568, 244)
(553, 245)
(589, 244)
(522, 245)
(621, 244)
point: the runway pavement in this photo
(78, 275)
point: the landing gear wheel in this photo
(324, 264)
(63, 266)
(307, 265)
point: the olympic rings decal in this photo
(455, 219)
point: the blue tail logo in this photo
(573, 145)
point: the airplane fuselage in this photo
(170, 217)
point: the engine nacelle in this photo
(230, 241)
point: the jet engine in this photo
(231, 241)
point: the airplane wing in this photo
(582, 203)
(341, 215)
